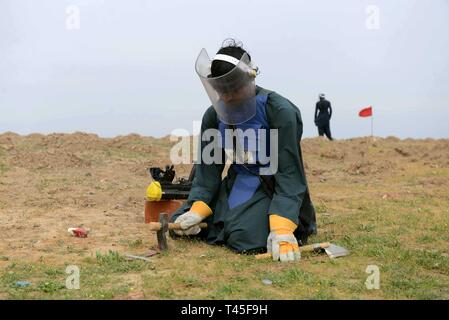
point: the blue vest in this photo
(246, 183)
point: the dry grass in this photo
(386, 200)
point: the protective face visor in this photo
(233, 94)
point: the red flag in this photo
(367, 112)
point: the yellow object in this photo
(201, 208)
(253, 72)
(281, 225)
(154, 191)
(285, 247)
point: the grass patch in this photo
(114, 262)
(4, 168)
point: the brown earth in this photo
(49, 183)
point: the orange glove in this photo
(281, 242)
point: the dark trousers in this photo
(325, 130)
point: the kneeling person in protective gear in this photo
(248, 211)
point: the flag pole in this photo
(372, 116)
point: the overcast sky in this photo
(129, 67)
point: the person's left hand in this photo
(281, 242)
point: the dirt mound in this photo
(80, 150)
(8, 140)
(370, 167)
(49, 160)
(74, 142)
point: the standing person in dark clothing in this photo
(323, 114)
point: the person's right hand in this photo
(190, 220)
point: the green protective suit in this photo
(245, 228)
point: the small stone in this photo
(22, 284)
(151, 253)
(267, 282)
